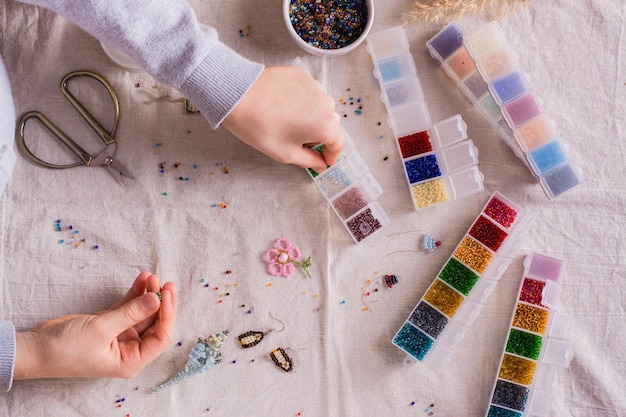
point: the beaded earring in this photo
(253, 337)
(281, 359)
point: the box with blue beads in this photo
(352, 191)
(486, 70)
(440, 163)
(454, 299)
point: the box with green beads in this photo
(454, 299)
(536, 343)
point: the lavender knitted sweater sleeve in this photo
(165, 38)
(7, 355)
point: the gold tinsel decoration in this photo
(444, 10)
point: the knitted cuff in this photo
(7, 355)
(219, 82)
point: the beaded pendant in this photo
(390, 280)
(281, 359)
(203, 356)
(430, 243)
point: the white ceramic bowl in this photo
(328, 52)
(121, 58)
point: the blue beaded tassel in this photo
(203, 356)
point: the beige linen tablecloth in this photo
(233, 203)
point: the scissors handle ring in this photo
(85, 158)
(106, 136)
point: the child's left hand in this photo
(118, 342)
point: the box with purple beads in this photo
(454, 299)
(352, 191)
(440, 163)
(536, 344)
(487, 71)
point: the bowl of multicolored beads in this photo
(328, 27)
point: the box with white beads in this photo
(456, 296)
(536, 344)
(487, 71)
(440, 163)
(352, 191)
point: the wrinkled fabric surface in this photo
(344, 363)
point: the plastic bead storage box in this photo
(440, 163)
(486, 70)
(536, 344)
(455, 298)
(352, 191)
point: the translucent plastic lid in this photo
(402, 91)
(488, 38)
(450, 131)
(560, 325)
(540, 403)
(550, 294)
(560, 179)
(459, 156)
(558, 352)
(439, 358)
(466, 182)
(394, 68)
(356, 162)
(371, 186)
(543, 266)
(409, 118)
(387, 43)
(482, 290)
(444, 43)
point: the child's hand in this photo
(118, 342)
(285, 110)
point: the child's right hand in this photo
(285, 110)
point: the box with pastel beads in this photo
(456, 296)
(440, 163)
(536, 344)
(352, 191)
(485, 68)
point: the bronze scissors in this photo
(105, 158)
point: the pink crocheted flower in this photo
(282, 258)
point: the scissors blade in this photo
(107, 159)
